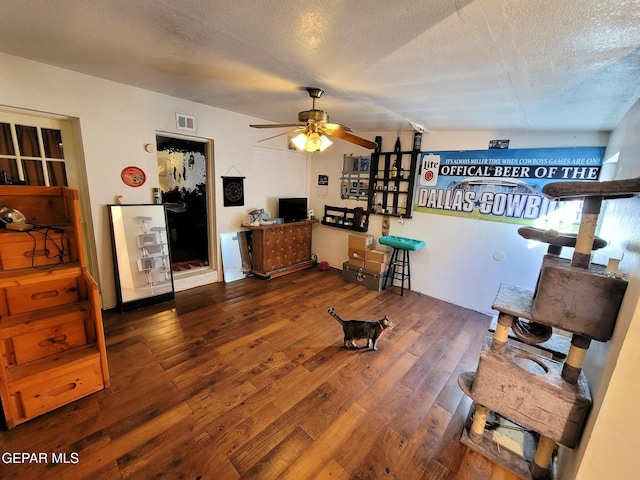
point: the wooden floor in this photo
(249, 380)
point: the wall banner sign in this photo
(233, 190)
(501, 185)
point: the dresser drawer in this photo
(26, 343)
(34, 296)
(56, 387)
(33, 249)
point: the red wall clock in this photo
(133, 176)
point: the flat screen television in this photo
(292, 209)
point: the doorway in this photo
(183, 168)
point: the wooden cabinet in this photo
(51, 335)
(280, 249)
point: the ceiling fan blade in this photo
(363, 142)
(276, 125)
(280, 134)
(336, 126)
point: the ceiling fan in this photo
(314, 127)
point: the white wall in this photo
(610, 443)
(116, 121)
(458, 262)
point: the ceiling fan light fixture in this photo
(326, 143)
(311, 142)
(299, 140)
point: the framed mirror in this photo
(141, 255)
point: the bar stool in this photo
(399, 266)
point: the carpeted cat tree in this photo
(525, 403)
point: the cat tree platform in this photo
(509, 444)
(529, 390)
(580, 300)
(557, 240)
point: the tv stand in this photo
(280, 248)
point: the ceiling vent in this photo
(185, 122)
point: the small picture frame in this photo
(498, 144)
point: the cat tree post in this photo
(582, 259)
(579, 343)
(542, 458)
(479, 421)
(501, 333)
(586, 233)
(498, 345)
(575, 358)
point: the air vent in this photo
(185, 122)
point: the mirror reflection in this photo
(141, 255)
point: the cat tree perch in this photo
(549, 398)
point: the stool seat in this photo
(401, 242)
(399, 267)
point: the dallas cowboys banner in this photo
(502, 185)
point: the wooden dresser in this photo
(281, 249)
(51, 334)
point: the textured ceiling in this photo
(442, 64)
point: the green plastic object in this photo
(401, 242)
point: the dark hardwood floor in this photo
(249, 380)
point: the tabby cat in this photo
(360, 329)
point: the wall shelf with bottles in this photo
(391, 182)
(347, 218)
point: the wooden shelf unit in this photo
(154, 260)
(391, 183)
(52, 343)
(354, 219)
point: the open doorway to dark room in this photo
(182, 173)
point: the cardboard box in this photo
(379, 256)
(360, 241)
(376, 267)
(357, 253)
(356, 262)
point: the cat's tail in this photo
(335, 315)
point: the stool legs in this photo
(406, 273)
(403, 263)
(392, 269)
(408, 268)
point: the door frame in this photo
(211, 274)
